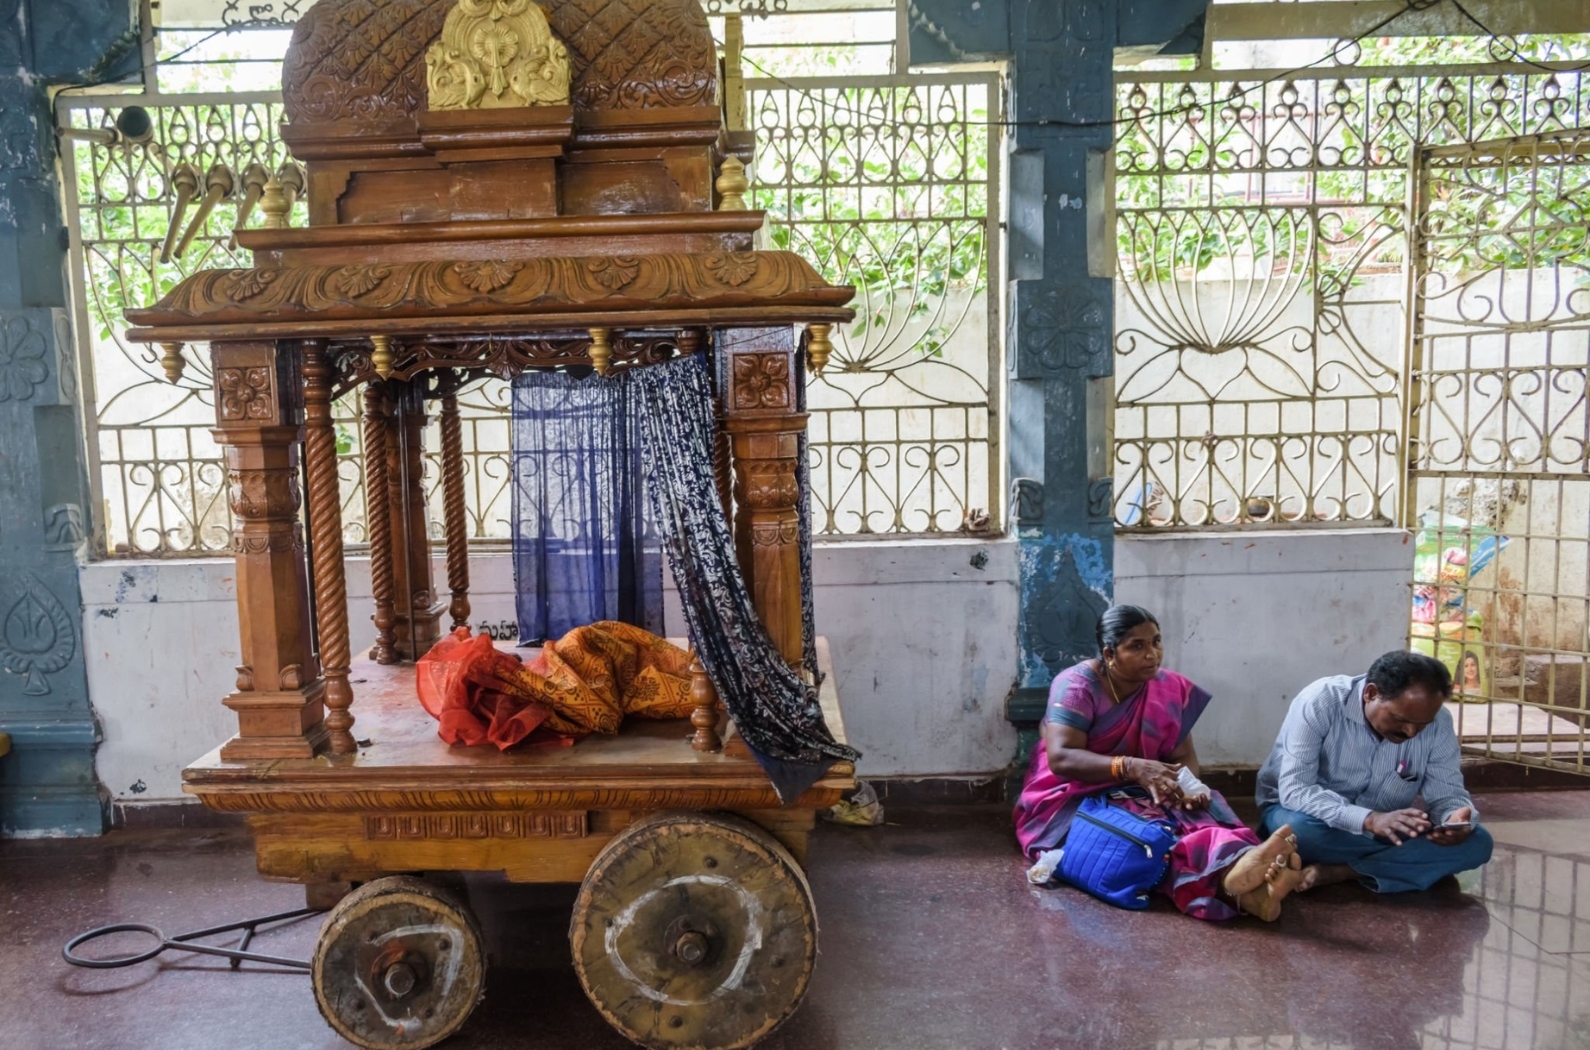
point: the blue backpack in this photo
(1115, 855)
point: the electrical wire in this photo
(1336, 50)
(145, 67)
(1510, 45)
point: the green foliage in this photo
(878, 193)
(1203, 153)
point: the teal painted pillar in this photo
(47, 782)
(1060, 341)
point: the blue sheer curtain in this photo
(583, 546)
(775, 710)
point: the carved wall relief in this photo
(37, 638)
(22, 367)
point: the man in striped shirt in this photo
(1354, 758)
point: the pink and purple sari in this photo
(1152, 723)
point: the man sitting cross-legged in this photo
(1351, 760)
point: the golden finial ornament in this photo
(732, 184)
(282, 191)
(381, 355)
(818, 348)
(172, 361)
(601, 351)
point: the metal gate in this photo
(1498, 434)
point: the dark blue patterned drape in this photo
(583, 546)
(775, 710)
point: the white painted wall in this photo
(924, 646)
(924, 641)
(1255, 616)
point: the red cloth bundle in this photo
(585, 682)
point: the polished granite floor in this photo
(931, 939)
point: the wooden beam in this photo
(1352, 18)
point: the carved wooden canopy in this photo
(499, 167)
(364, 60)
(603, 288)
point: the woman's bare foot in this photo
(1262, 903)
(1261, 864)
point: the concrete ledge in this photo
(168, 815)
(1292, 551)
(935, 791)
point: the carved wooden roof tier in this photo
(364, 60)
(687, 288)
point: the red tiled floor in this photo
(931, 940)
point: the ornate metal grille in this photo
(1261, 244)
(1499, 436)
(884, 182)
(157, 473)
(887, 183)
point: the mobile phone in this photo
(1459, 824)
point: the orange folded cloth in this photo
(585, 682)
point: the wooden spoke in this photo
(706, 715)
(325, 527)
(399, 963)
(694, 930)
(453, 511)
(379, 523)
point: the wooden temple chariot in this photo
(495, 186)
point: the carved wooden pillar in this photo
(325, 529)
(415, 624)
(453, 509)
(376, 488)
(764, 430)
(259, 423)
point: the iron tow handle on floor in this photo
(183, 942)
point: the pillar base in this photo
(277, 725)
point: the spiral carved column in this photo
(453, 511)
(380, 523)
(325, 527)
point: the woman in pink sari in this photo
(1122, 724)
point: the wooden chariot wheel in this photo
(399, 964)
(694, 931)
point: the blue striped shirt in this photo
(1327, 761)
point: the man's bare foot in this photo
(1261, 864)
(1316, 875)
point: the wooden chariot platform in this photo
(406, 801)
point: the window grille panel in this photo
(886, 183)
(903, 429)
(1261, 237)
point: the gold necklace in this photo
(1109, 681)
